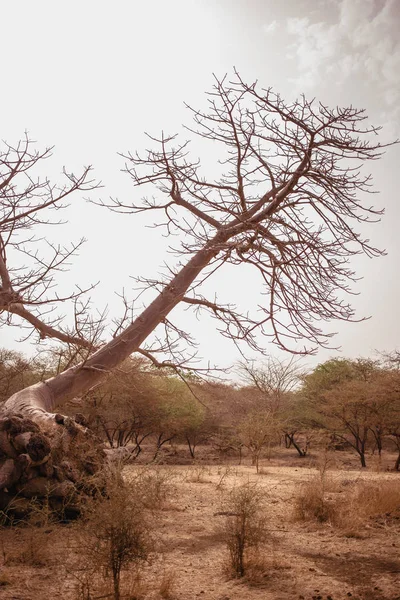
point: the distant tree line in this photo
(342, 403)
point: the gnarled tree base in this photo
(54, 462)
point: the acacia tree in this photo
(257, 431)
(355, 399)
(123, 408)
(273, 378)
(286, 203)
(16, 372)
(349, 412)
(276, 381)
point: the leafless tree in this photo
(258, 430)
(273, 378)
(28, 264)
(288, 199)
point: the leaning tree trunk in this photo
(53, 458)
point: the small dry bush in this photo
(244, 531)
(313, 502)
(35, 543)
(368, 501)
(37, 548)
(262, 567)
(114, 542)
(153, 486)
(137, 587)
(223, 473)
(197, 474)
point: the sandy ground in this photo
(307, 561)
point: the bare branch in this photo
(25, 203)
(286, 203)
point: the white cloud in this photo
(360, 47)
(271, 27)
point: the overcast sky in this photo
(90, 77)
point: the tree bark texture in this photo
(58, 463)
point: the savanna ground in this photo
(306, 552)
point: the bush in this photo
(311, 504)
(117, 535)
(197, 474)
(244, 531)
(153, 486)
(368, 501)
(351, 509)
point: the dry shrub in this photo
(325, 462)
(223, 473)
(137, 587)
(37, 547)
(366, 502)
(311, 504)
(262, 567)
(84, 577)
(153, 487)
(197, 474)
(244, 531)
(258, 568)
(353, 508)
(36, 538)
(113, 543)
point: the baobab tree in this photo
(287, 203)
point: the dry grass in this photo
(263, 565)
(197, 474)
(349, 507)
(167, 585)
(314, 502)
(311, 504)
(36, 536)
(36, 549)
(368, 502)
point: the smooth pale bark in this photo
(33, 402)
(79, 449)
(39, 401)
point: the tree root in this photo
(55, 463)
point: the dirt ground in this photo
(304, 560)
